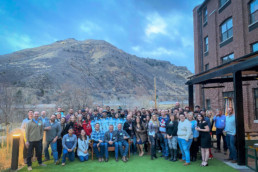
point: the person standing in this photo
(67, 117)
(195, 143)
(152, 132)
(121, 141)
(23, 127)
(185, 138)
(83, 145)
(98, 142)
(230, 131)
(110, 139)
(87, 125)
(53, 132)
(141, 134)
(34, 134)
(171, 130)
(220, 122)
(163, 135)
(205, 138)
(69, 143)
(128, 127)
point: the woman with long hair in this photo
(78, 126)
(152, 132)
(87, 126)
(141, 135)
(171, 130)
(195, 144)
(83, 144)
(203, 128)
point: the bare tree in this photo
(6, 102)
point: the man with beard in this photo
(53, 131)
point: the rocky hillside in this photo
(95, 66)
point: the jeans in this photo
(133, 146)
(219, 134)
(70, 155)
(115, 144)
(59, 147)
(194, 147)
(185, 149)
(98, 153)
(164, 144)
(232, 148)
(172, 142)
(53, 148)
(83, 158)
(153, 145)
(120, 146)
(37, 146)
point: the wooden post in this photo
(15, 152)
(190, 97)
(239, 114)
(155, 93)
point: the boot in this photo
(172, 155)
(175, 155)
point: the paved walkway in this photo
(221, 157)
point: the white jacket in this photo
(82, 146)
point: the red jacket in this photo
(87, 128)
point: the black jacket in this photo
(107, 136)
(171, 129)
(131, 133)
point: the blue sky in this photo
(160, 29)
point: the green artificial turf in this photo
(135, 164)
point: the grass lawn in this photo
(135, 164)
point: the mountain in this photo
(95, 66)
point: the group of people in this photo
(176, 132)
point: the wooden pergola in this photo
(241, 69)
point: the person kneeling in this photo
(69, 143)
(83, 145)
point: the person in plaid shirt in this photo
(78, 126)
(98, 142)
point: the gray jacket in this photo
(53, 132)
(107, 136)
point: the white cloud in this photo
(89, 27)
(18, 41)
(159, 52)
(157, 25)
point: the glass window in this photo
(205, 14)
(206, 66)
(255, 47)
(253, 6)
(222, 2)
(208, 104)
(206, 44)
(227, 58)
(226, 29)
(256, 103)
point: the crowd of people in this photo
(176, 133)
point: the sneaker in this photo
(29, 168)
(57, 162)
(63, 164)
(186, 164)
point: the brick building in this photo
(225, 30)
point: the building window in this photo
(226, 30)
(222, 2)
(205, 15)
(206, 66)
(256, 103)
(227, 58)
(206, 44)
(253, 6)
(208, 104)
(254, 47)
